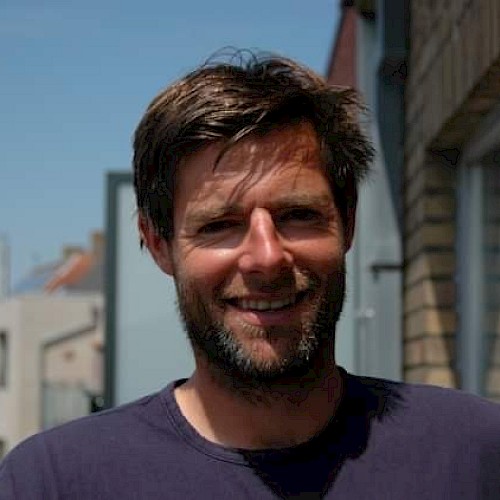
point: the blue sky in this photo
(76, 78)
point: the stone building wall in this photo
(453, 82)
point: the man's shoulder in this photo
(132, 417)
(438, 407)
(426, 395)
(90, 450)
(94, 434)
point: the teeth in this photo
(265, 305)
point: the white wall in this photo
(29, 320)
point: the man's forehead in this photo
(275, 185)
(282, 166)
(294, 143)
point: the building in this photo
(430, 73)
(452, 196)
(51, 345)
(366, 55)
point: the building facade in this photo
(51, 344)
(367, 54)
(30, 328)
(429, 71)
(452, 196)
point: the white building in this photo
(46, 343)
(51, 345)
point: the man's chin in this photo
(264, 360)
(262, 350)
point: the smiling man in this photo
(246, 178)
(258, 258)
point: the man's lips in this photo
(266, 304)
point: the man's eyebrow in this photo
(302, 200)
(297, 200)
(206, 214)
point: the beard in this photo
(307, 345)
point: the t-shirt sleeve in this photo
(25, 473)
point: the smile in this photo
(266, 305)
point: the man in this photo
(246, 178)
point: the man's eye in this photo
(217, 226)
(301, 215)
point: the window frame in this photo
(470, 267)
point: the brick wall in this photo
(453, 81)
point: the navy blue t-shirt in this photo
(387, 441)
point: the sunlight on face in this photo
(258, 254)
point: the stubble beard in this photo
(310, 349)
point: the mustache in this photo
(292, 283)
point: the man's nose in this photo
(264, 250)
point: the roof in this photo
(79, 272)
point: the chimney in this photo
(70, 250)
(97, 241)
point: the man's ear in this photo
(158, 247)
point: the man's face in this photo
(258, 255)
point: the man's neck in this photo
(285, 414)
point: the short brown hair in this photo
(226, 101)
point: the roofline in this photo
(56, 338)
(53, 337)
(337, 36)
(365, 8)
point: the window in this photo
(479, 277)
(3, 358)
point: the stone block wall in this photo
(453, 82)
